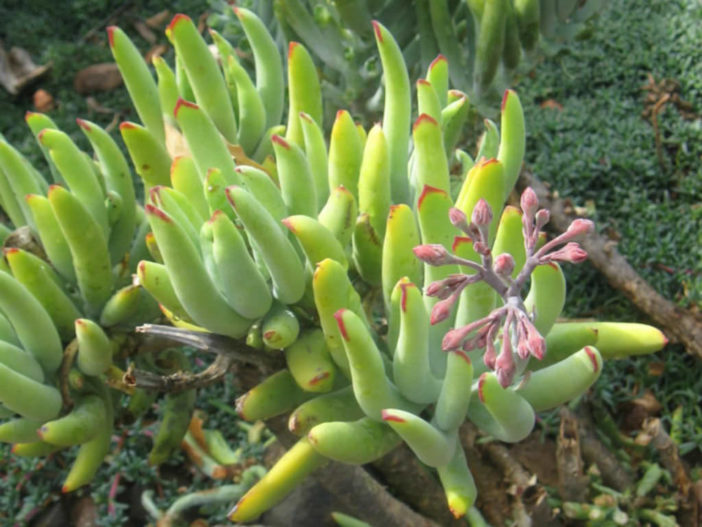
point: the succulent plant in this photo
(264, 234)
(66, 283)
(484, 40)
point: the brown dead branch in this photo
(670, 458)
(572, 483)
(594, 451)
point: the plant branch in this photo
(228, 351)
(180, 380)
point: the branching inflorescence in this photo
(518, 331)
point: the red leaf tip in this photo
(155, 211)
(463, 355)
(289, 224)
(403, 298)
(291, 48)
(505, 96)
(228, 194)
(424, 118)
(52, 189)
(177, 18)
(280, 141)
(439, 59)
(387, 416)
(318, 378)
(378, 31)
(83, 124)
(459, 240)
(339, 316)
(428, 189)
(127, 125)
(216, 214)
(481, 385)
(593, 358)
(111, 35)
(182, 102)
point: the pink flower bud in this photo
(536, 345)
(490, 355)
(432, 254)
(529, 202)
(542, 217)
(482, 213)
(571, 253)
(505, 375)
(504, 264)
(442, 310)
(579, 227)
(452, 339)
(442, 289)
(435, 289)
(504, 365)
(458, 218)
(522, 348)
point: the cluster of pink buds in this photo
(519, 335)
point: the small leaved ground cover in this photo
(598, 150)
(29, 485)
(590, 139)
(72, 36)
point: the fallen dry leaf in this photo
(43, 101)
(155, 51)
(158, 20)
(551, 104)
(648, 402)
(144, 31)
(95, 106)
(656, 369)
(17, 69)
(101, 77)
